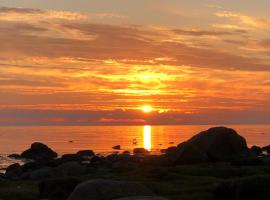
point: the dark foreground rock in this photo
(266, 149)
(57, 189)
(39, 152)
(257, 151)
(219, 144)
(68, 169)
(14, 171)
(86, 153)
(140, 151)
(108, 189)
(254, 187)
(143, 198)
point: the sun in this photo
(147, 109)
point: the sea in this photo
(101, 139)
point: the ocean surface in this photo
(101, 139)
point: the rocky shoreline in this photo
(135, 175)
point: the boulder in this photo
(15, 156)
(255, 150)
(14, 171)
(57, 189)
(219, 144)
(39, 151)
(86, 153)
(266, 149)
(253, 187)
(71, 157)
(40, 174)
(100, 189)
(70, 169)
(143, 198)
(140, 151)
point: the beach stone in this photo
(39, 151)
(69, 169)
(267, 149)
(14, 171)
(143, 198)
(257, 151)
(87, 153)
(39, 174)
(100, 189)
(14, 156)
(140, 151)
(57, 189)
(218, 144)
(248, 188)
(71, 157)
(117, 147)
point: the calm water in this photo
(101, 139)
(68, 139)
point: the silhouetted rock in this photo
(254, 187)
(117, 147)
(40, 174)
(39, 151)
(86, 153)
(14, 171)
(267, 149)
(70, 169)
(71, 157)
(214, 145)
(15, 156)
(257, 151)
(57, 189)
(108, 189)
(140, 151)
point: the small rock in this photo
(88, 153)
(267, 149)
(140, 151)
(118, 147)
(257, 151)
(14, 171)
(15, 156)
(71, 157)
(39, 151)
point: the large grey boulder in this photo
(219, 144)
(100, 189)
(39, 152)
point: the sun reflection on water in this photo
(147, 139)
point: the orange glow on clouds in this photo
(66, 61)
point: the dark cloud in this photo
(7, 10)
(202, 32)
(121, 117)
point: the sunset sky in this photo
(66, 62)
